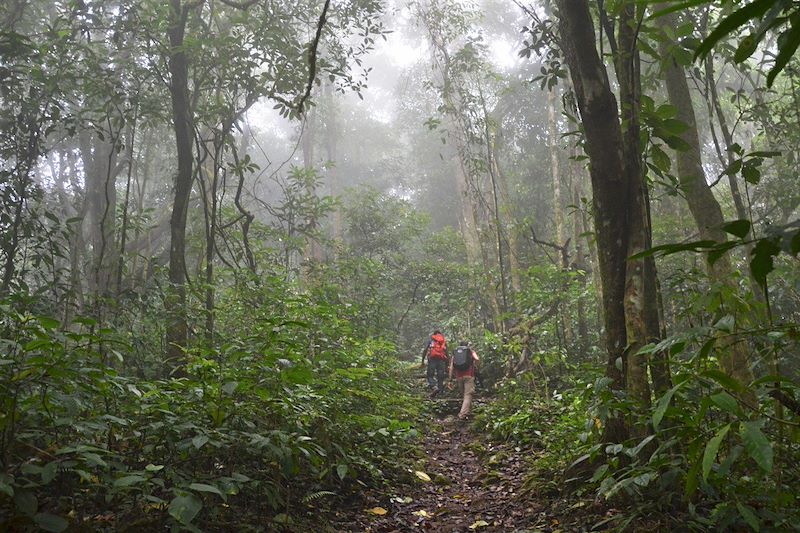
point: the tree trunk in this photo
(598, 110)
(727, 137)
(580, 266)
(558, 202)
(175, 303)
(641, 311)
(100, 172)
(703, 205)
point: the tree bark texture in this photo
(599, 114)
(177, 327)
(641, 311)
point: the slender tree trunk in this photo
(641, 312)
(498, 227)
(312, 250)
(703, 205)
(142, 176)
(124, 229)
(580, 266)
(100, 171)
(175, 303)
(736, 194)
(558, 202)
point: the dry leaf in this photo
(423, 513)
(479, 523)
(380, 511)
(423, 476)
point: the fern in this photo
(317, 495)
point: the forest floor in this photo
(468, 483)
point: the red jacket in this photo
(438, 347)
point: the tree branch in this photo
(312, 56)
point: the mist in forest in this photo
(229, 230)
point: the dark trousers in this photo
(438, 368)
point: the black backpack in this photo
(462, 358)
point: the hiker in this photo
(436, 351)
(464, 364)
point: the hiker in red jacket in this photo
(464, 365)
(436, 351)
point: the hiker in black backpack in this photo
(464, 366)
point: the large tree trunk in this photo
(703, 205)
(599, 114)
(177, 327)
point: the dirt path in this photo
(474, 486)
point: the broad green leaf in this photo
(199, 441)
(660, 158)
(740, 228)
(48, 322)
(733, 168)
(50, 522)
(674, 126)
(6, 489)
(764, 153)
(757, 445)
(787, 46)
(746, 512)
(723, 379)
(185, 508)
(341, 471)
(761, 264)
(726, 402)
(599, 472)
(712, 448)
(693, 475)
(203, 487)
(745, 49)
(663, 403)
(751, 173)
(127, 481)
(733, 21)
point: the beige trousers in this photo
(466, 386)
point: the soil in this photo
(474, 485)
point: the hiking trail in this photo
(465, 483)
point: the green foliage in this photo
(289, 404)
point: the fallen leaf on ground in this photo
(422, 475)
(423, 513)
(478, 524)
(378, 511)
